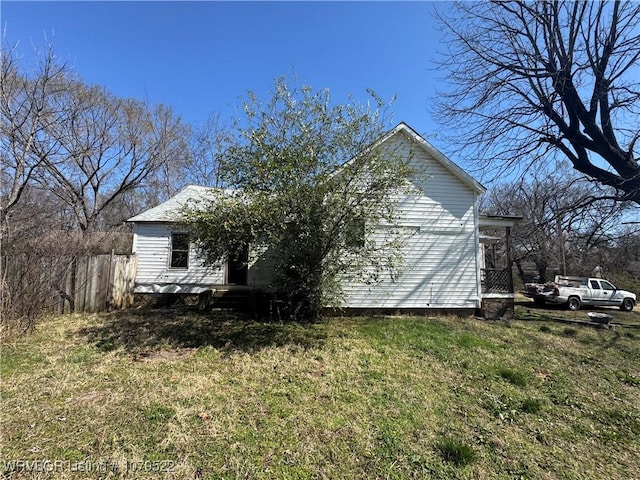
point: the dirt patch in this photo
(165, 355)
(91, 398)
(543, 376)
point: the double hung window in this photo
(179, 250)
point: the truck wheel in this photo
(627, 305)
(539, 301)
(573, 303)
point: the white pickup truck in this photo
(578, 291)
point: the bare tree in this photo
(207, 144)
(107, 147)
(79, 141)
(197, 164)
(561, 227)
(28, 108)
(536, 81)
(73, 155)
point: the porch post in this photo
(509, 261)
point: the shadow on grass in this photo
(526, 310)
(620, 335)
(137, 331)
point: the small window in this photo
(595, 285)
(355, 233)
(179, 250)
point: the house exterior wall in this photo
(440, 251)
(438, 221)
(152, 247)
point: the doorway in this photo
(238, 268)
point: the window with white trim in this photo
(179, 250)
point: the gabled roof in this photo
(434, 153)
(169, 211)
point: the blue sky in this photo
(202, 57)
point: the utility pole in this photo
(561, 240)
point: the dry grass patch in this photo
(202, 396)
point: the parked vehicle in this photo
(575, 292)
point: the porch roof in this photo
(489, 222)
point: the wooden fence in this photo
(63, 284)
(102, 282)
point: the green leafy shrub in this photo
(531, 405)
(515, 377)
(455, 451)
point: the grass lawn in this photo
(170, 394)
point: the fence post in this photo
(109, 300)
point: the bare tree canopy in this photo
(75, 162)
(108, 146)
(27, 109)
(535, 81)
(80, 142)
(561, 229)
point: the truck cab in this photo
(597, 292)
(602, 292)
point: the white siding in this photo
(152, 246)
(440, 249)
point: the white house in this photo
(443, 252)
(169, 263)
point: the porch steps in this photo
(240, 300)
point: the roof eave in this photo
(497, 221)
(439, 156)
